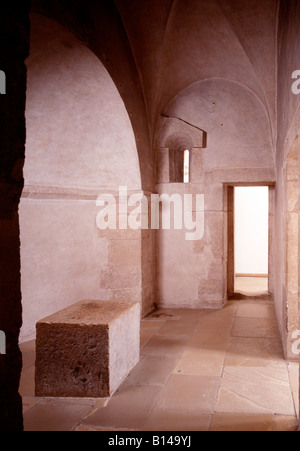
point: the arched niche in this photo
(79, 143)
(174, 137)
(236, 121)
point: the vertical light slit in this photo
(186, 166)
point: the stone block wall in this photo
(80, 143)
(196, 274)
(129, 274)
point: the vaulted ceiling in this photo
(217, 55)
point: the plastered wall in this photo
(288, 131)
(233, 153)
(79, 144)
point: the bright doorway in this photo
(251, 240)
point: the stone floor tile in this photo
(226, 422)
(85, 428)
(255, 390)
(178, 327)
(189, 394)
(254, 327)
(128, 408)
(293, 369)
(28, 360)
(28, 402)
(217, 319)
(286, 423)
(209, 339)
(256, 352)
(248, 309)
(186, 314)
(164, 420)
(201, 362)
(148, 329)
(151, 325)
(163, 314)
(27, 384)
(47, 417)
(198, 368)
(28, 346)
(28, 354)
(90, 402)
(152, 370)
(165, 345)
(145, 335)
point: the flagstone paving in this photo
(199, 371)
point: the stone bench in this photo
(86, 350)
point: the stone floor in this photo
(252, 286)
(199, 371)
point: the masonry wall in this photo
(226, 88)
(194, 274)
(288, 131)
(79, 144)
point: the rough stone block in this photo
(121, 278)
(124, 253)
(86, 350)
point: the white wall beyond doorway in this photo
(251, 230)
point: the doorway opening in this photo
(248, 238)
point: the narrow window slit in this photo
(186, 166)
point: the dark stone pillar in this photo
(14, 48)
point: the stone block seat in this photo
(87, 349)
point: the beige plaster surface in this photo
(78, 130)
